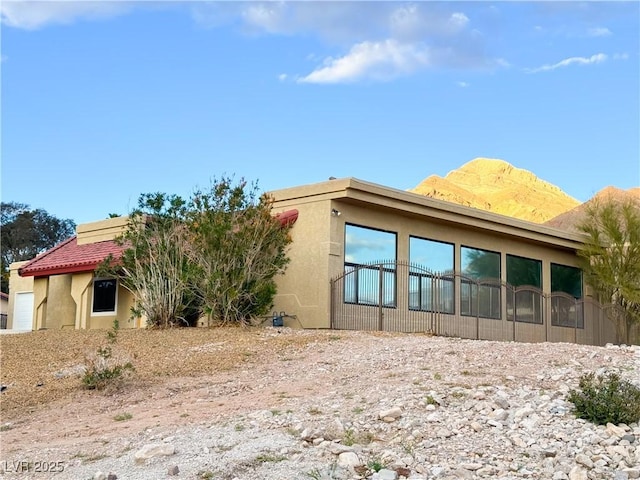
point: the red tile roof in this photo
(69, 257)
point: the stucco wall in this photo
(61, 313)
(303, 290)
(101, 230)
(317, 251)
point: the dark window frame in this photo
(448, 278)
(357, 268)
(493, 285)
(104, 302)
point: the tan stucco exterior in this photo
(317, 255)
(101, 230)
(65, 300)
(317, 251)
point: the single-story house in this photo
(59, 288)
(363, 256)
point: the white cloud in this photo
(282, 77)
(371, 60)
(599, 32)
(462, 84)
(593, 59)
(266, 16)
(457, 21)
(31, 15)
(620, 56)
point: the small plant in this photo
(429, 400)
(437, 376)
(375, 465)
(314, 411)
(107, 365)
(239, 427)
(205, 475)
(268, 457)
(349, 437)
(314, 474)
(358, 410)
(606, 399)
(121, 417)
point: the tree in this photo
(216, 255)
(25, 233)
(241, 248)
(156, 264)
(611, 259)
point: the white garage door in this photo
(23, 311)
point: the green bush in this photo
(606, 399)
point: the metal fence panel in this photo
(405, 297)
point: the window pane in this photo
(104, 295)
(480, 264)
(429, 292)
(564, 311)
(431, 255)
(366, 245)
(363, 281)
(480, 300)
(524, 271)
(566, 279)
(527, 305)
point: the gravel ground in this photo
(286, 404)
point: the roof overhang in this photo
(371, 195)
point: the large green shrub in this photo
(606, 399)
(214, 255)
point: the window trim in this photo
(357, 266)
(555, 321)
(442, 276)
(525, 288)
(93, 298)
(478, 283)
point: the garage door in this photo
(23, 311)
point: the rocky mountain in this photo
(569, 219)
(497, 186)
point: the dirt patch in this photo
(41, 367)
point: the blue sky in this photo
(103, 101)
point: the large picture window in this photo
(431, 278)
(480, 284)
(105, 292)
(565, 311)
(524, 305)
(370, 266)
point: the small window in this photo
(104, 296)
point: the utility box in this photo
(278, 319)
